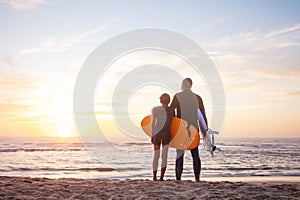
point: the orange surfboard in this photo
(180, 137)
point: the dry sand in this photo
(67, 188)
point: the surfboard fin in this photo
(209, 140)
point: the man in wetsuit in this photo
(186, 104)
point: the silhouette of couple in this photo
(185, 103)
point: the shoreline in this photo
(244, 179)
(257, 179)
(75, 188)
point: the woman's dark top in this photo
(162, 117)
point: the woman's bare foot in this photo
(155, 175)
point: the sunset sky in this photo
(255, 46)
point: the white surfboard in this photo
(208, 140)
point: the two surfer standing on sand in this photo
(185, 103)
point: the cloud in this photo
(64, 43)
(16, 84)
(252, 106)
(283, 30)
(214, 22)
(34, 99)
(60, 44)
(14, 99)
(257, 41)
(279, 74)
(275, 51)
(23, 4)
(294, 94)
(289, 44)
(9, 60)
(259, 81)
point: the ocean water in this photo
(132, 158)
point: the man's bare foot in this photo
(154, 179)
(161, 179)
(197, 180)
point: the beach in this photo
(71, 188)
(66, 169)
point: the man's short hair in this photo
(165, 98)
(187, 83)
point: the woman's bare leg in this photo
(164, 157)
(155, 161)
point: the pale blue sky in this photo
(255, 46)
(202, 20)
